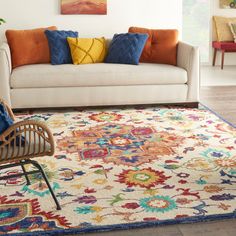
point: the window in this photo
(196, 26)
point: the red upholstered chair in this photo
(223, 47)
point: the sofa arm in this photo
(5, 72)
(188, 59)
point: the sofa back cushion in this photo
(161, 46)
(28, 46)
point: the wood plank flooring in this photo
(223, 101)
(217, 228)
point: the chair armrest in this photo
(188, 59)
(38, 141)
(5, 72)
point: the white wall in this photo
(230, 58)
(24, 14)
(216, 10)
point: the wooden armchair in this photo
(23, 141)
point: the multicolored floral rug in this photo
(125, 168)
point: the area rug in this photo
(126, 168)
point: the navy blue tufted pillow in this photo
(6, 122)
(59, 48)
(126, 48)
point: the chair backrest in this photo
(214, 34)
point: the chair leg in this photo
(36, 164)
(214, 57)
(26, 176)
(222, 59)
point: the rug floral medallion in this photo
(123, 168)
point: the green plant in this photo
(2, 21)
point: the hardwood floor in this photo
(223, 101)
(214, 76)
(217, 228)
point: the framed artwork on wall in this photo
(90, 7)
(227, 4)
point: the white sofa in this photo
(45, 85)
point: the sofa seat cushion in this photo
(101, 74)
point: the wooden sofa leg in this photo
(222, 59)
(192, 104)
(214, 57)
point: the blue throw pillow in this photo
(59, 47)
(5, 119)
(6, 122)
(126, 48)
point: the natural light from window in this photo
(196, 28)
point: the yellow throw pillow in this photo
(87, 50)
(222, 28)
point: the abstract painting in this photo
(93, 7)
(228, 4)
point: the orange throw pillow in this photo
(161, 46)
(28, 46)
